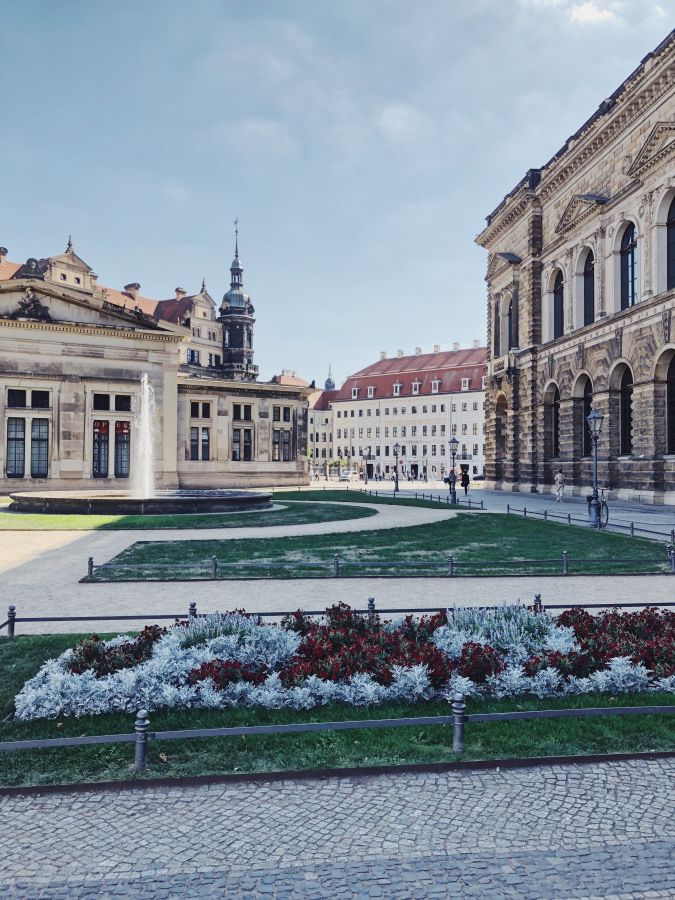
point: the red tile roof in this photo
(7, 269)
(321, 400)
(291, 380)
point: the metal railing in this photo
(444, 499)
(142, 735)
(630, 527)
(340, 567)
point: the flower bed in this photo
(229, 659)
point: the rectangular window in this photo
(386, 449)
(210, 362)
(247, 412)
(123, 402)
(236, 444)
(360, 412)
(414, 450)
(287, 414)
(394, 431)
(433, 449)
(16, 446)
(194, 410)
(402, 430)
(206, 410)
(99, 465)
(475, 449)
(424, 430)
(442, 407)
(194, 443)
(102, 401)
(433, 408)
(217, 359)
(475, 407)
(442, 430)
(397, 390)
(464, 407)
(206, 443)
(248, 444)
(386, 431)
(355, 393)
(371, 392)
(464, 427)
(413, 430)
(39, 399)
(236, 411)
(39, 448)
(377, 411)
(434, 387)
(416, 387)
(433, 430)
(286, 445)
(424, 450)
(386, 410)
(454, 429)
(276, 414)
(122, 449)
(369, 412)
(16, 398)
(474, 428)
(360, 432)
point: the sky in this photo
(360, 143)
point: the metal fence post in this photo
(141, 727)
(545, 515)
(565, 563)
(459, 719)
(214, 567)
(371, 609)
(524, 512)
(11, 621)
(508, 508)
(481, 505)
(569, 518)
(537, 603)
(672, 535)
(90, 567)
(671, 554)
(192, 611)
(336, 566)
(451, 566)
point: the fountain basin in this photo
(120, 503)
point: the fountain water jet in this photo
(143, 471)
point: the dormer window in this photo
(371, 392)
(416, 387)
(397, 389)
(355, 393)
(62, 277)
(465, 384)
(435, 385)
(78, 280)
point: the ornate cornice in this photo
(101, 330)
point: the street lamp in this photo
(397, 450)
(367, 457)
(594, 421)
(453, 444)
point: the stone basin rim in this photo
(186, 500)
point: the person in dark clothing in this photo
(464, 481)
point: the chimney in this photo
(3, 253)
(476, 345)
(383, 354)
(399, 353)
(437, 348)
(180, 292)
(133, 289)
(418, 351)
(455, 345)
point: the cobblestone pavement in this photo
(598, 830)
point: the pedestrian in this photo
(465, 482)
(559, 482)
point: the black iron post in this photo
(594, 421)
(395, 468)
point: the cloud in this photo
(176, 193)
(252, 133)
(590, 13)
(402, 123)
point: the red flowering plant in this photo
(93, 654)
(479, 661)
(228, 671)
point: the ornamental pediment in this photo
(580, 208)
(659, 144)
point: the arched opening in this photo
(589, 288)
(670, 246)
(500, 435)
(587, 444)
(626, 413)
(670, 406)
(496, 325)
(582, 405)
(552, 422)
(558, 306)
(510, 335)
(628, 267)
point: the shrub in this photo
(106, 657)
(479, 661)
(224, 672)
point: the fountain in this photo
(144, 498)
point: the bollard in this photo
(632, 529)
(214, 567)
(90, 567)
(565, 563)
(481, 505)
(459, 719)
(545, 515)
(537, 603)
(451, 566)
(192, 611)
(141, 727)
(371, 609)
(11, 622)
(671, 554)
(336, 567)
(508, 508)
(569, 518)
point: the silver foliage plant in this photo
(162, 680)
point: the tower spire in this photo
(69, 245)
(236, 238)
(203, 285)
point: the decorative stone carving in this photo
(580, 357)
(31, 308)
(665, 324)
(616, 343)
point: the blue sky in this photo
(360, 142)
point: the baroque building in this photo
(72, 355)
(581, 291)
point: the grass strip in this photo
(21, 658)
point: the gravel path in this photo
(596, 830)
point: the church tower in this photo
(236, 315)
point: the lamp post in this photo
(453, 444)
(594, 421)
(397, 450)
(365, 468)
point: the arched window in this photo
(509, 327)
(587, 406)
(558, 306)
(670, 246)
(555, 424)
(497, 329)
(670, 406)
(629, 267)
(626, 413)
(589, 289)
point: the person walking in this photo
(559, 482)
(465, 482)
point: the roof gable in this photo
(659, 144)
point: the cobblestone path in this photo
(599, 830)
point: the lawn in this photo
(293, 514)
(480, 544)
(22, 657)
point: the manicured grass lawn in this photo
(496, 544)
(349, 496)
(294, 514)
(21, 658)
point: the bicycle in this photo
(604, 511)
